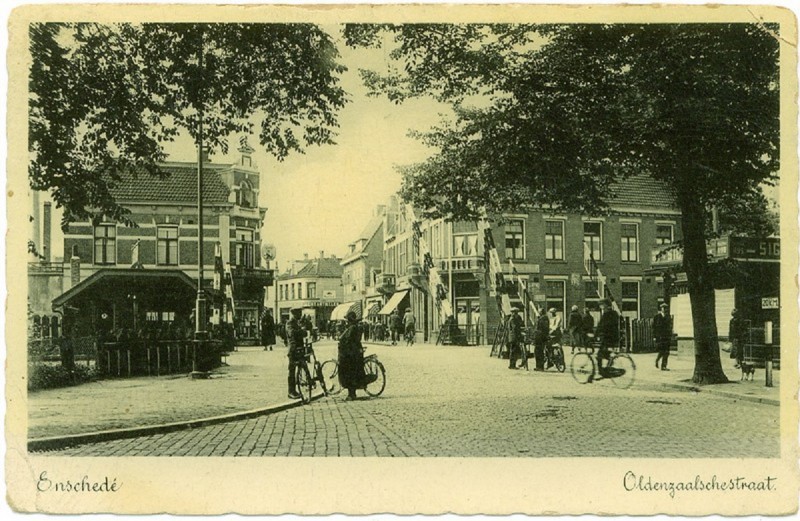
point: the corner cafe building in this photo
(746, 277)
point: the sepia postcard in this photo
(402, 259)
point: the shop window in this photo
(105, 244)
(515, 239)
(629, 234)
(554, 240)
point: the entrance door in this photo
(468, 314)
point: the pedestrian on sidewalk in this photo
(267, 330)
(351, 357)
(514, 338)
(662, 335)
(737, 330)
(295, 337)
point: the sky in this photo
(321, 200)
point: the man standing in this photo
(607, 332)
(575, 328)
(267, 330)
(395, 325)
(662, 335)
(514, 338)
(295, 338)
(736, 334)
(540, 337)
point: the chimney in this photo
(46, 231)
(321, 254)
(75, 266)
(206, 156)
(305, 256)
(380, 210)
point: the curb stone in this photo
(61, 442)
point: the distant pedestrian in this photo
(575, 328)
(395, 326)
(515, 325)
(295, 336)
(588, 326)
(410, 326)
(662, 336)
(267, 330)
(737, 331)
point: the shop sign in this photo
(769, 303)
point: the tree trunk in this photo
(707, 363)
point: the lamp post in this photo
(199, 360)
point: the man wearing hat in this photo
(295, 338)
(607, 332)
(515, 325)
(662, 335)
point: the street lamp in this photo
(200, 334)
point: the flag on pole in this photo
(229, 306)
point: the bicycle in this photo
(620, 368)
(554, 355)
(303, 379)
(410, 335)
(372, 367)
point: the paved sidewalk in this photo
(255, 379)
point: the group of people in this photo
(350, 353)
(548, 330)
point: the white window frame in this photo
(636, 239)
(167, 241)
(523, 245)
(623, 299)
(598, 258)
(106, 248)
(563, 240)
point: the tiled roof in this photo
(326, 267)
(641, 191)
(178, 186)
(371, 227)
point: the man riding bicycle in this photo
(608, 334)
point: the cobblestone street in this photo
(459, 402)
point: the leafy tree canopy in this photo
(564, 111)
(106, 98)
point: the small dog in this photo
(748, 370)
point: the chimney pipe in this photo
(46, 231)
(321, 254)
(37, 220)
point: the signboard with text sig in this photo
(768, 249)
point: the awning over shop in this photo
(373, 309)
(341, 310)
(395, 301)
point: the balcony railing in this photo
(461, 264)
(664, 256)
(385, 282)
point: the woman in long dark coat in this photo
(267, 330)
(351, 357)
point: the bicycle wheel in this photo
(375, 377)
(622, 370)
(582, 368)
(558, 359)
(330, 375)
(304, 382)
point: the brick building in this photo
(547, 250)
(312, 284)
(163, 247)
(362, 265)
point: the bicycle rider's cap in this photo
(663, 306)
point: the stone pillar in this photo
(46, 231)
(75, 267)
